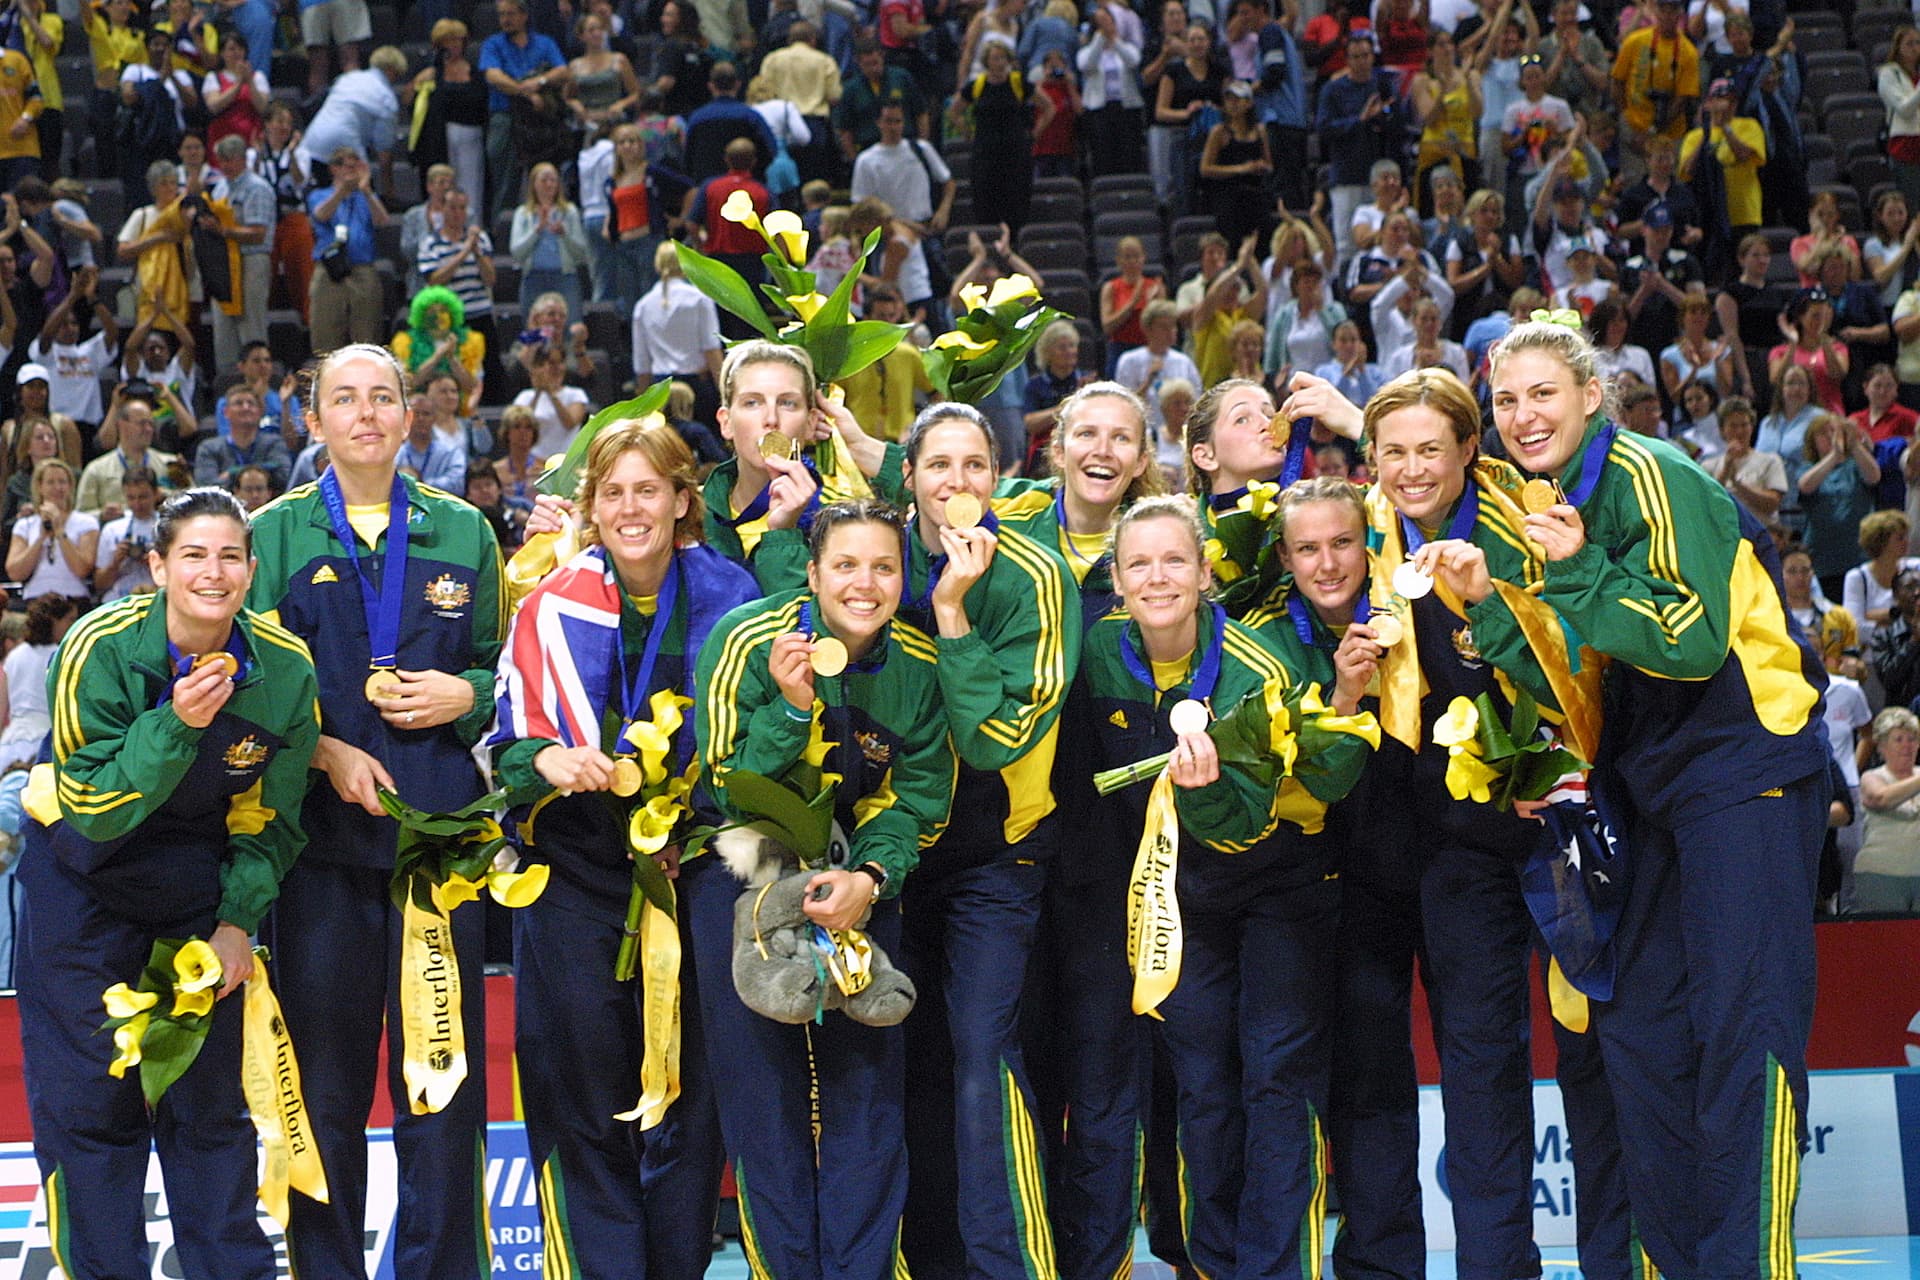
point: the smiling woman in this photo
(590, 652)
(182, 730)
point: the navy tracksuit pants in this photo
(1249, 1036)
(1705, 1038)
(1088, 1055)
(336, 940)
(92, 1133)
(618, 1203)
(807, 1212)
(977, 1199)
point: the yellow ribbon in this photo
(1565, 317)
(844, 481)
(434, 1042)
(270, 1079)
(1154, 939)
(660, 1017)
(1570, 1007)
(41, 799)
(537, 557)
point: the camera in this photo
(1662, 108)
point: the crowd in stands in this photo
(199, 197)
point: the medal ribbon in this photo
(181, 663)
(270, 1080)
(864, 666)
(1066, 535)
(634, 692)
(1303, 621)
(1593, 461)
(660, 1017)
(1459, 529)
(1205, 676)
(936, 566)
(383, 608)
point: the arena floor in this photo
(1840, 1258)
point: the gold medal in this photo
(1409, 582)
(1387, 629)
(1279, 429)
(1539, 495)
(774, 444)
(382, 684)
(829, 657)
(963, 511)
(626, 777)
(225, 661)
(1188, 716)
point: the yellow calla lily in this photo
(454, 891)
(1460, 727)
(126, 1039)
(806, 306)
(192, 1004)
(651, 826)
(969, 349)
(488, 830)
(784, 232)
(1011, 289)
(973, 296)
(1223, 567)
(739, 208)
(518, 888)
(552, 462)
(1261, 497)
(196, 967)
(1469, 776)
(124, 1002)
(817, 746)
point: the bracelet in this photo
(795, 714)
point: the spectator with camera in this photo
(120, 559)
(1656, 80)
(102, 482)
(345, 301)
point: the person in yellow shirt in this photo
(881, 396)
(41, 32)
(1656, 79)
(20, 107)
(1740, 144)
(116, 44)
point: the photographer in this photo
(1656, 82)
(344, 299)
(120, 560)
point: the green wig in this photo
(425, 301)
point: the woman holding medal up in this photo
(1437, 511)
(182, 727)
(1246, 1020)
(398, 590)
(1713, 728)
(832, 665)
(1005, 618)
(621, 622)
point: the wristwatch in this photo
(879, 875)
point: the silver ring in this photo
(411, 715)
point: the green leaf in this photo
(760, 797)
(166, 1051)
(653, 883)
(1494, 740)
(564, 479)
(868, 341)
(1526, 716)
(725, 286)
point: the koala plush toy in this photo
(774, 962)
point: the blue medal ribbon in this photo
(1205, 676)
(863, 666)
(758, 507)
(1593, 462)
(936, 566)
(634, 692)
(1303, 621)
(181, 663)
(1459, 529)
(383, 608)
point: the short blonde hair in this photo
(1178, 507)
(447, 29)
(1895, 720)
(1335, 489)
(666, 452)
(40, 470)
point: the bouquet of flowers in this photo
(164, 1043)
(445, 859)
(1244, 549)
(1263, 735)
(999, 328)
(824, 327)
(796, 809)
(1491, 762)
(659, 813)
